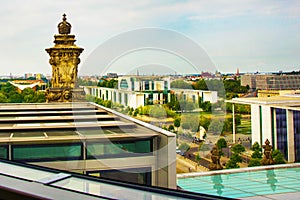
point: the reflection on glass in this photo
(271, 179)
(23, 172)
(217, 180)
(108, 190)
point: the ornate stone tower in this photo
(64, 59)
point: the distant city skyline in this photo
(249, 35)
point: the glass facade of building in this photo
(3, 152)
(47, 152)
(281, 130)
(296, 118)
(132, 175)
(74, 151)
(119, 149)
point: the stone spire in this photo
(64, 27)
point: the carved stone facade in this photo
(64, 59)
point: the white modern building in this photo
(278, 120)
(135, 91)
(194, 95)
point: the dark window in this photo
(51, 152)
(123, 84)
(119, 149)
(120, 97)
(166, 85)
(150, 98)
(146, 85)
(4, 152)
(132, 175)
(115, 97)
(281, 130)
(296, 118)
(194, 99)
(126, 99)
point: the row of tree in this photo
(228, 88)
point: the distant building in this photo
(112, 75)
(135, 91)
(271, 93)
(28, 75)
(250, 80)
(278, 120)
(194, 95)
(271, 82)
(207, 75)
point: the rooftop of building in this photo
(69, 121)
(284, 101)
(25, 181)
(145, 77)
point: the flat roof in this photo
(63, 122)
(286, 102)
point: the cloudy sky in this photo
(252, 35)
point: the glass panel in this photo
(23, 172)
(95, 149)
(107, 190)
(3, 152)
(103, 149)
(143, 146)
(47, 152)
(281, 129)
(297, 134)
(133, 175)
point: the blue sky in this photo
(251, 35)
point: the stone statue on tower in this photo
(64, 59)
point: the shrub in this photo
(171, 128)
(221, 143)
(231, 164)
(157, 111)
(238, 148)
(256, 146)
(278, 157)
(256, 154)
(254, 162)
